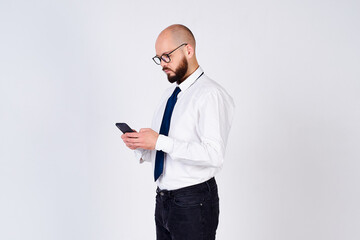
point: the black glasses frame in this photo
(157, 59)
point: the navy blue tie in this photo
(164, 130)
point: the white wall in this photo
(70, 69)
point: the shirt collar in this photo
(191, 79)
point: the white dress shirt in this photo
(199, 128)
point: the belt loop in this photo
(208, 185)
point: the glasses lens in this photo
(165, 58)
(157, 60)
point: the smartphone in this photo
(124, 127)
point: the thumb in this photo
(144, 130)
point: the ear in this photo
(190, 51)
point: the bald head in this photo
(180, 34)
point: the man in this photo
(187, 141)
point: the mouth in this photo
(167, 70)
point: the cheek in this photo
(175, 61)
(171, 66)
(176, 66)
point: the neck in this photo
(192, 68)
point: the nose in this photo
(163, 63)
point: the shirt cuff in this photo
(138, 155)
(164, 143)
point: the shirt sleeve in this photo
(143, 155)
(215, 113)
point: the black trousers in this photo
(190, 213)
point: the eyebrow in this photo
(167, 52)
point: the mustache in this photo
(165, 68)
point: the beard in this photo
(180, 72)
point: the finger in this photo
(129, 145)
(132, 134)
(134, 140)
(137, 144)
(128, 142)
(125, 138)
(145, 129)
(133, 147)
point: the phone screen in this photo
(124, 127)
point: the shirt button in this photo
(161, 193)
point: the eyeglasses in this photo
(166, 56)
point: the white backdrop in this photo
(70, 69)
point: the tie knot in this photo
(176, 92)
